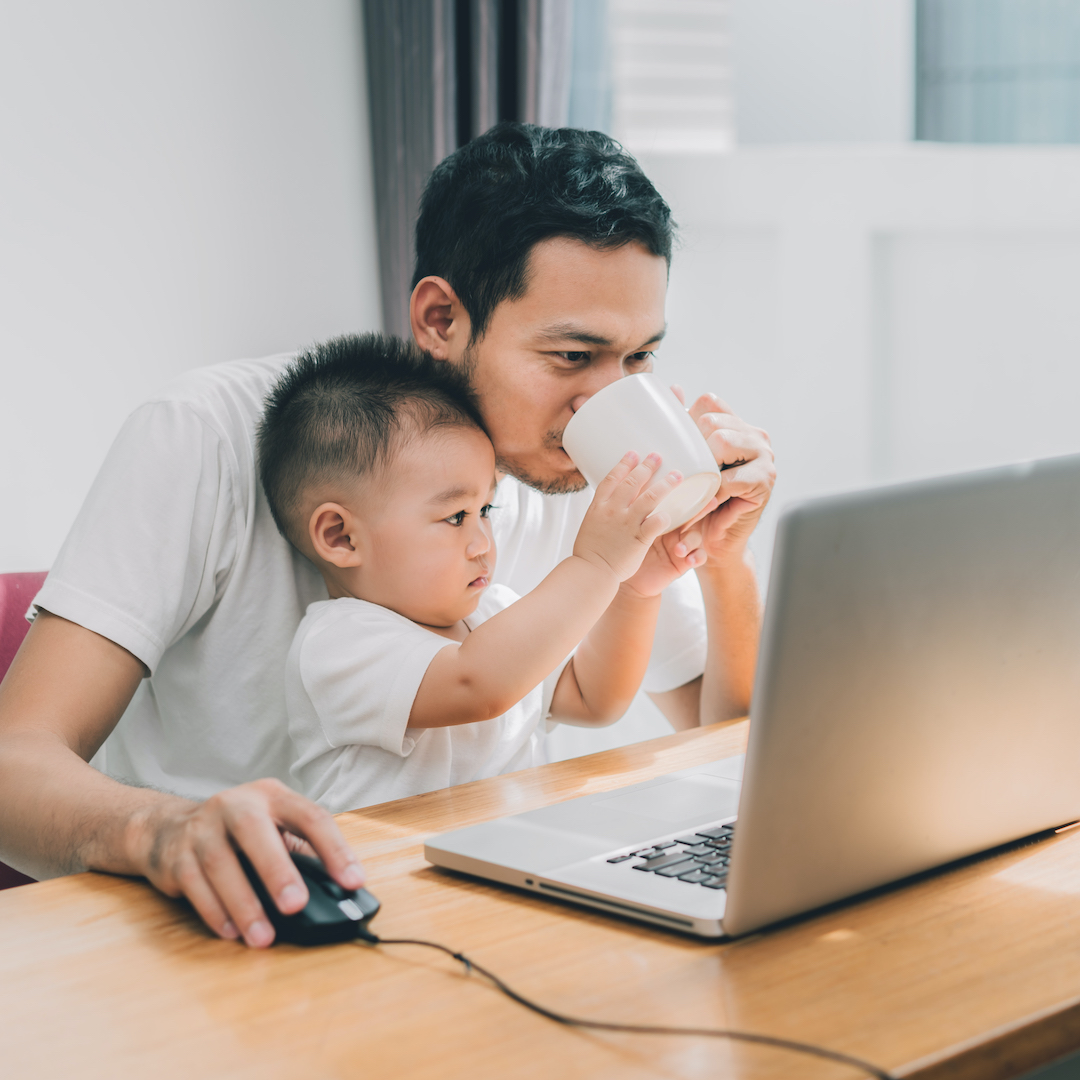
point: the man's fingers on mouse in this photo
(230, 884)
(297, 845)
(253, 825)
(318, 827)
(194, 885)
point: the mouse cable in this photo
(638, 1029)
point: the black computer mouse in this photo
(332, 913)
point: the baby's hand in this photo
(668, 558)
(619, 528)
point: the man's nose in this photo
(603, 377)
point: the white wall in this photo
(810, 71)
(181, 182)
(884, 312)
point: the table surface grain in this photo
(973, 972)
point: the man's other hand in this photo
(745, 455)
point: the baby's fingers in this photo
(656, 522)
(636, 482)
(626, 466)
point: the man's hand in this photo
(620, 525)
(60, 699)
(745, 455)
(187, 849)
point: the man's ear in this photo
(331, 529)
(440, 324)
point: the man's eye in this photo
(576, 357)
(485, 511)
(638, 359)
(456, 519)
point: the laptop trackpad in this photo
(688, 799)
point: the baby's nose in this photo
(479, 545)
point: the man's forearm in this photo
(609, 663)
(733, 617)
(63, 694)
(60, 816)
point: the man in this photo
(542, 261)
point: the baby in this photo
(418, 672)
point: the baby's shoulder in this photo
(347, 614)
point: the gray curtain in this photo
(441, 72)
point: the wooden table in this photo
(973, 973)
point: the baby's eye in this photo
(456, 519)
(485, 511)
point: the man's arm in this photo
(64, 693)
(601, 679)
(733, 618)
(728, 582)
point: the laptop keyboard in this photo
(700, 858)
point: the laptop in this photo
(917, 700)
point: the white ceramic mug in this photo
(640, 413)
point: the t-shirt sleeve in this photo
(152, 545)
(681, 642)
(361, 672)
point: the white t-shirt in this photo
(350, 681)
(174, 556)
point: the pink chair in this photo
(16, 592)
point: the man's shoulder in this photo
(217, 388)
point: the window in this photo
(998, 71)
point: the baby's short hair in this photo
(338, 410)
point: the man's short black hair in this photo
(489, 202)
(338, 411)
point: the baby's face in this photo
(427, 549)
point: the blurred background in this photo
(879, 204)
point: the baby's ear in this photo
(330, 529)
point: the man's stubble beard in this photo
(559, 485)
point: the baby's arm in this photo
(603, 676)
(515, 650)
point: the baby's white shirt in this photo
(350, 681)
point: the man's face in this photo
(588, 317)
